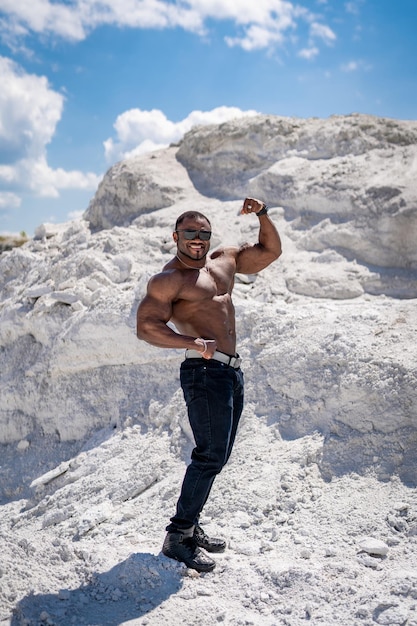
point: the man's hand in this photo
(251, 205)
(207, 347)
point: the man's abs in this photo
(208, 318)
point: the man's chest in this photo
(211, 281)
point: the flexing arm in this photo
(155, 311)
(254, 258)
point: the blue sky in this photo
(85, 83)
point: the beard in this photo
(200, 254)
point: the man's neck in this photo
(192, 267)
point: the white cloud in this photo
(308, 53)
(353, 7)
(323, 32)
(47, 182)
(257, 23)
(354, 66)
(29, 113)
(9, 200)
(76, 215)
(143, 131)
(257, 37)
(43, 16)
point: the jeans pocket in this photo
(191, 379)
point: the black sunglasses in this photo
(204, 235)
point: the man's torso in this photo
(204, 306)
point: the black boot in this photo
(211, 544)
(184, 548)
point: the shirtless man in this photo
(194, 292)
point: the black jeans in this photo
(213, 394)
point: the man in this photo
(194, 292)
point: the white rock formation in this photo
(93, 432)
(349, 180)
(72, 362)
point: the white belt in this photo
(233, 361)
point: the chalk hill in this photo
(317, 502)
(327, 332)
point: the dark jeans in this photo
(213, 393)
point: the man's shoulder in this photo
(166, 273)
(227, 252)
(168, 280)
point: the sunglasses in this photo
(204, 235)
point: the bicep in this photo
(251, 258)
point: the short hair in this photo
(192, 215)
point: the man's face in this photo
(195, 248)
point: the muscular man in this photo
(194, 292)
